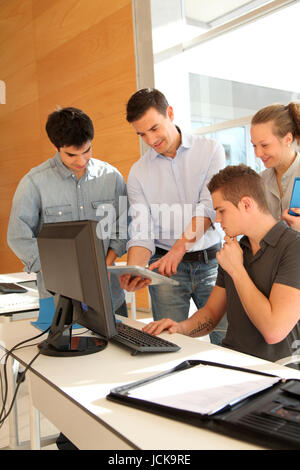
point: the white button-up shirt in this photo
(165, 193)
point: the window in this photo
(219, 62)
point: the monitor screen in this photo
(74, 267)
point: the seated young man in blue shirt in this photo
(258, 282)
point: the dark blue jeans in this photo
(196, 280)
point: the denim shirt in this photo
(50, 193)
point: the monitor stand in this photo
(60, 341)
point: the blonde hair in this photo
(285, 119)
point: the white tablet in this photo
(142, 272)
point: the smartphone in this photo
(295, 199)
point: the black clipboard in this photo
(270, 418)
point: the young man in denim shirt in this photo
(70, 186)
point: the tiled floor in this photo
(47, 428)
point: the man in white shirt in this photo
(171, 209)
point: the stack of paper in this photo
(203, 389)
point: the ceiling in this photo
(207, 11)
(204, 13)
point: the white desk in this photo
(14, 304)
(71, 393)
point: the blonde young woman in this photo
(275, 133)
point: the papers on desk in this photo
(202, 389)
(18, 277)
(10, 303)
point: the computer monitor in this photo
(74, 267)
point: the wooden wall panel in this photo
(14, 16)
(62, 21)
(69, 53)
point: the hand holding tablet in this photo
(144, 273)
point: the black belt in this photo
(201, 256)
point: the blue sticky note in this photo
(46, 314)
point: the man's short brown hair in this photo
(237, 181)
(143, 100)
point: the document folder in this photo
(246, 404)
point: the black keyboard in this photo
(11, 288)
(140, 341)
